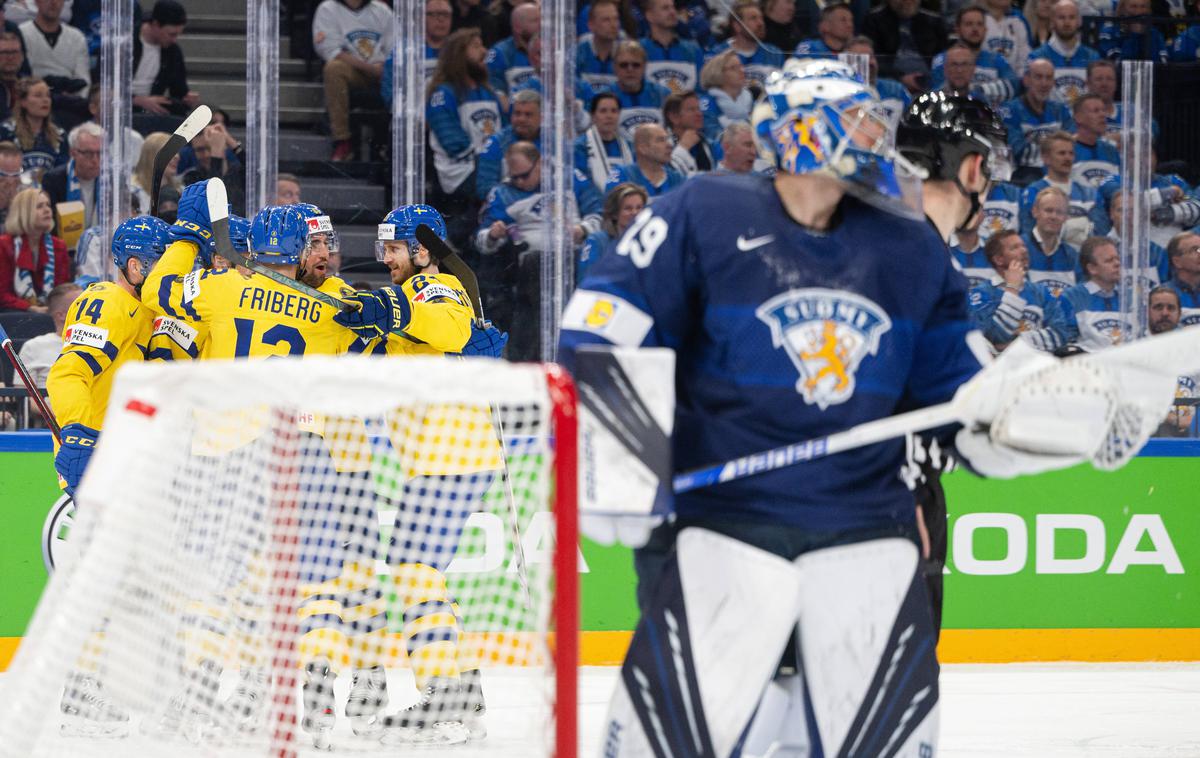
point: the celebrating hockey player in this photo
(106, 327)
(438, 495)
(800, 306)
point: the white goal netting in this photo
(278, 556)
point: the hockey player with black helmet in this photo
(959, 143)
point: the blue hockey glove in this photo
(192, 223)
(383, 311)
(487, 341)
(78, 442)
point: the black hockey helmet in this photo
(938, 130)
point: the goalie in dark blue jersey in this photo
(785, 611)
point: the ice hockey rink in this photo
(1054, 710)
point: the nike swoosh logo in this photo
(133, 313)
(746, 245)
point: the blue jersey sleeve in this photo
(442, 114)
(712, 118)
(497, 64)
(385, 81)
(946, 353)
(1058, 322)
(587, 197)
(593, 247)
(616, 175)
(996, 313)
(640, 296)
(489, 168)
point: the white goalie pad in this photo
(867, 650)
(626, 416)
(704, 651)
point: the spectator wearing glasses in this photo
(354, 38)
(993, 80)
(76, 181)
(1184, 253)
(32, 261)
(32, 127)
(641, 99)
(12, 178)
(12, 60)
(958, 69)
(438, 16)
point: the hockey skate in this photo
(189, 713)
(244, 709)
(434, 720)
(368, 697)
(319, 715)
(87, 712)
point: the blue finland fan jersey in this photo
(782, 335)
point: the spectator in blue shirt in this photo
(1012, 306)
(693, 151)
(723, 80)
(651, 168)
(993, 81)
(1068, 54)
(1096, 159)
(594, 53)
(834, 31)
(1186, 46)
(1052, 261)
(602, 145)
(747, 29)
(508, 60)
(526, 125)
(1034, 115)
(641, 99)
(671, 61)
(1132, 41)
(621, 206)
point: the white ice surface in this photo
(1042, 710)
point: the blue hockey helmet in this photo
(141, 237)
(239, 233)
(319, 223)
(278, 234)
(401, 226)
(818, 116)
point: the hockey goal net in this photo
(261, 548)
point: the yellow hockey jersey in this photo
(106, 327)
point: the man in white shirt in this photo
(354, 38)
(39, 353)
(160, 82)
(57, 52)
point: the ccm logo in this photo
(81, 441)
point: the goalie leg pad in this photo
(704, 650)
(867, 648)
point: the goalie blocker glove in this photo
(78, 442)
(383, 311)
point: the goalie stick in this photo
(455, 265)
(218, 215)
(187, 131)
(1177, 353)
(30, 386)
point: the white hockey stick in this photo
(1174, 354)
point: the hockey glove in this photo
(486, 341)
(383, 311)
(192, 223)
(78, 442)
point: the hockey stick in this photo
(187, 131)
(1176, 354)
(218, 215)
(455, 265)
(30, 386)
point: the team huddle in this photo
(178, 298)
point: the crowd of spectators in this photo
(665, 91)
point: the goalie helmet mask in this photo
(278, 235)
(141, 237)
(401, 226)
(817, 117)
(938, 131)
